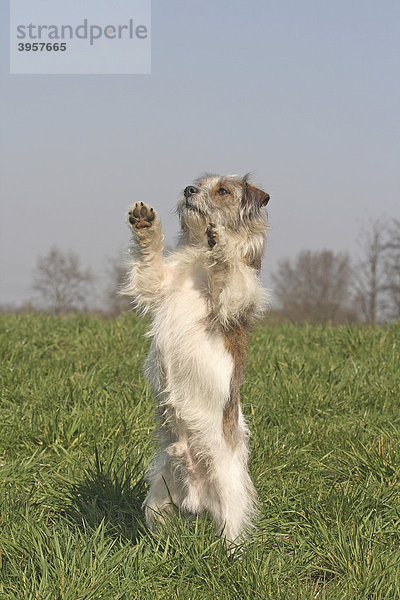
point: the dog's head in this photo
(227, 200)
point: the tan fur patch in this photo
(236, 344)
(229, 198)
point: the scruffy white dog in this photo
(202, 299)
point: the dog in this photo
(202, 299)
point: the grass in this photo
(76, 433)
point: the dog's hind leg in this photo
(232, 500)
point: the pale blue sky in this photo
(305, 95)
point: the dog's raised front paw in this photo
(141, 216)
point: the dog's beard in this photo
(191, 208)
(193, 222)
(195, 218)
(193, 215)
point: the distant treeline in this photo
(316, 286)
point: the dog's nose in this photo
(189, 191)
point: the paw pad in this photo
(141, 215)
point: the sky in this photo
(305, 95)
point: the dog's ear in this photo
(252, 197)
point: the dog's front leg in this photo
(219, 266)
(233, 286)
(146, 276)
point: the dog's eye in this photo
(222, 191)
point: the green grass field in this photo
(77, 418)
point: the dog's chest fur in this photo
(189, 362)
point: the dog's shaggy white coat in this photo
(201, 299)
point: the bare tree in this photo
(369, 276)
(117, 271)
(315, 287)
(61, 282)
(116, 302)
(392, 269)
